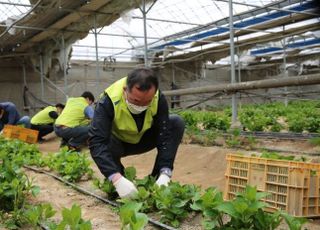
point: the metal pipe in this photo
(311, 79)
(144, 13)
(285, 73)
(97, 55)
(20, 19)
(75, 31)
(271, 8)
(24, 72)
(64, 67)
(41, 75)
(232, 70)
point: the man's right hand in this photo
(125, 188)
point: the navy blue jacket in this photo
(11, 115)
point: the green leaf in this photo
(130, 173)
(35, 190)
(73, 216)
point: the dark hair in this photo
(59, 105)
(88, 95)
(145, 78)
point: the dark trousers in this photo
(43, 129)
(149, 141)
(73, 136)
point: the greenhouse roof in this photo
(177, 30)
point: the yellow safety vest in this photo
(73, 113)
(124, 126)
(42, 117)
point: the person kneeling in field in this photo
(43, 121)
(132, 118)
(10, 115)
(73, 123)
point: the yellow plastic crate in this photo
(292, 186)
(23, 134)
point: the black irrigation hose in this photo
(301, 136)
(84, 191)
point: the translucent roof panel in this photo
(166, 19)
(13, 8)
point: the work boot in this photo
(63, 143)
(74, 149)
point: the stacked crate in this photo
(292, 186)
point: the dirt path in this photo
(61, 196)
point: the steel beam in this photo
(311, 79)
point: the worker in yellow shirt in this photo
(73, 123)
(43, 121)
(132, 117)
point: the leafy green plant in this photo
(21, 153)
(190, 117)
(39, 214)
(72, 220)
(69, 164)
(207, 203)
(107, 187)
(173, 201)
(244, 209)
(276, 156)
(294, 223)
(211, 120)
(315, 141)
(14, 186)
(131, 218)
(130, 173)
(233, 140)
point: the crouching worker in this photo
(43, 121)
(132, 118)
(10, 115)
(73, 123)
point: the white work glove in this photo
(125, 188)
(163, 179)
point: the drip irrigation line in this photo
(272, 135)
(86, 192)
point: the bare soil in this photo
(204, 166)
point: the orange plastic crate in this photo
(23, 134)
(292, 186)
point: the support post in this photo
(232, 69)
(41, 77)
(97, 55)
(24, 73)
(64, 67)
(144, 13)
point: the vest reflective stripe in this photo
(73, 113)
(124, 126)
(42, 117)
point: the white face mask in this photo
(135, 109)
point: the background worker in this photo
(132, 118)
(10, 115)
(73, 123)
(43, 121)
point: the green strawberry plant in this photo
(173, 202)
(71, 219)
(39, 214)
(21, 153)
(14, 186)
(107, 187)
(207, 203)
(69, 164)
(130, 216)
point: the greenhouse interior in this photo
(158, 114)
